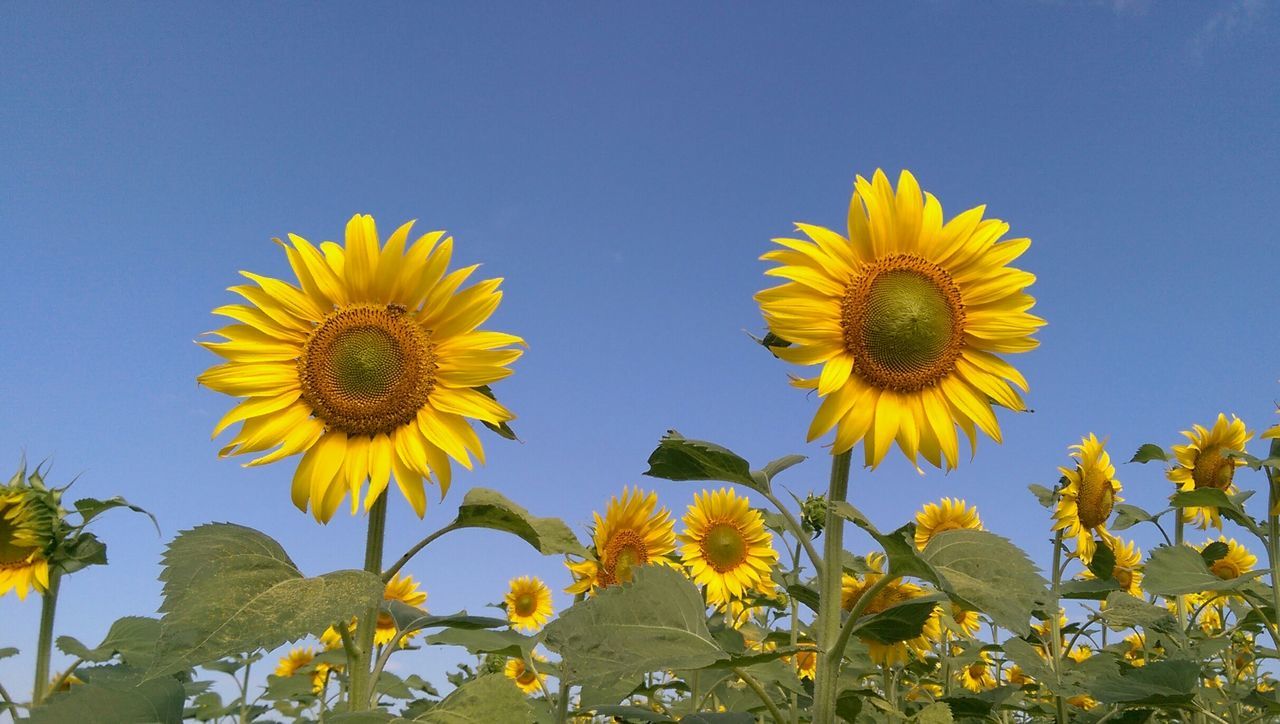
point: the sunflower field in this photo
(372, 365)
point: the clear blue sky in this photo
(622, 165)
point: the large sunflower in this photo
(1091, 492)
(634, 532)
(1203, 463)
(946, 514)
(853, 588)
(725, 545)
(1237, 561)
(905, 316)
(370, 367)
(527, 679)
(528, 603)
(24, 535)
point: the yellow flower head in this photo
(924, 691)
(1091, 492)
(528, 603)
(806, 661)
(853, 588)
(1203, 463)
(1237, 562)
(25, 534)
(741, 610)
(634, 532)
(906, 317)
(1128, 567)
(525, 678)
(946, 514)
(299, 658)
(725, 545)
(1083, 701)
(1273, 432)
(977, 676)
(370, 366)
(1202, 609)
(1017, 677)
(405, 590)
(1080, 653)
(1136, 648)
(968, 621)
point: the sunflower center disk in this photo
(1095, 500)
(626, 552)
(1212, 469)
(903, 322)
(1123, 576)
(525, 604)
(367, 369)
(1225, 569)
(724, 547)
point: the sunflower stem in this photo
(362, 685)
(794, 699)
(44, 643)
(1055, 630)
(1179, 600)
(828, 674)
(761, 693)
(1273, 540)
(417, 547)
(562, 696)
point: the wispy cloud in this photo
(1235, 17)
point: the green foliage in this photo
(114, 694)
(679, 458)
(1175, 570)
(1151, 452)
(490, 698)
(132, 638)
(986, 572)
(229, 588)
(484, 508)
(897, 623)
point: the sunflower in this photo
(852, 589)
(25, 534)
(1136, 649)
(967, 621)
(924, 691)
(527, 679)
(1203, 463)
(1237, 561)
(725, 545)
(370, 367)
(1044, 630)
(1091, 492)
(1202, 609)
(400, 588)
(946, 514)
(1083, 701)
(977, 676)
(299, 658)
(631, 534)
(1127, 571)
(752, 604)
(905, 316)
(528, 603)
(1080, 654)
(806, 661)
(1017, 677)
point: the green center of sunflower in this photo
(626, 552)
(12, 555)
(1096, 498)
(903, 321)
(367, 369)
(1212, 469)
(976, 670)
(724, 547)
(526, 604)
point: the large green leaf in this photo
(679, 458)
(1124, 611)
(654, 623)
(484, 508)
(230, 589)
(1230, 507)
(1159, 683)
(479, 641)
(114, 695)
(132, 637)
(899, 546)
(989, 574)
(897, 623)
(1174, 570)
(90, 508)
(490, 698)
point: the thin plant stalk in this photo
(1055, 631)
(1273, 537)
(44, 643)
(828, 623)
(360, 695)
(562, 696)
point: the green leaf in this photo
(80, 552)
(1103, 565)
(899, 546)
(1043, 494)
(678, 458)
(656, 622)
(1214, 552)
(1087, 589)
(132, 637)
(114, 695)
(1174, 570)
(632, 714)
(1159, 683)
(935, 713)
(1231, 507)
(1128, 516)
(1124, 611)
(1028, 658)
(1149, 452)
(897, 623)
(8, 651)
(480, 641)
(228, 589)
(490, 698)
(90, 508)
(484, 508)
(503, 429)
(986, 572)
(764, 476)
(410, 618)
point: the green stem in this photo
(44, 644)
(794, 699)
(828, 623)
(761, 693)
(859, 606)
(360, 695)
(1055, 631)
(244, 694)
(409, 554)
(1273, 539)
(562, 696)
(7, 702)
(797, 530)
(62, 678)
(1180, 601)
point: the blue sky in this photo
(622, 166)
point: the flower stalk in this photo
(44, 643)
(828, 623)
(360, 696)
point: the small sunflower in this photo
(525, 678)
(1203, 463)
(1083, 701)
(946, 514)
(1237, 561)
(298, 659)
(725, 545)
(528, 603)
(405, 590)
(25, 534)
(753, 604)
(906, 317)
(370, 367)
(1080, 653)
(1136, 649)
(634, 532)
(1201, 609)
(806, 661)
(1091, 492)
(967, 621)
(1017, 677)
(1128, 566)
(924, 691)
(977, 676)
(852, 589)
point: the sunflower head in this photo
(1204, 463)
(806, 661)
(946, 514)
(28, 517)
(405, 590)
(528, 603)
(726, 545)
(529, 680)
(977, 676)
(854, 588)
(1092, 491)
(906, 315)
(371, 366)
(634, 532)
(1236, 562)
